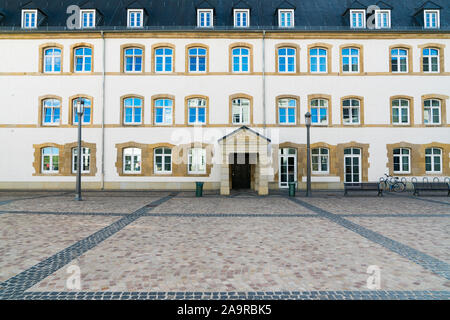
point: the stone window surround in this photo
(443, 100)
(230, 59)
(230, 109)
(159, 46)
(71, 99)
(329, 109)
(42, 49)
(122, 110)
(360, 47)
(411, 110)
(122, 57)
(153, 117)
(441, 48)
(186, 109)
(75, 46)
(361, 111)
(41, 107)
(328, 48)
(186, 65)
(297, 57)
(409, 51)
(297, 110)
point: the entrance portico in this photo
(245, 149)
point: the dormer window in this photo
(358, 18)
(241, 18)
(382, 19)
(286, 18)
(87, 19)
(431, 19)
(205, 18)
(29, 19)
(135, 18)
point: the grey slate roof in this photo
(181, 14)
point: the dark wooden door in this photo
(240, 173)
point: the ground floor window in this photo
(352, 163)
(132, 160)
(288, 166)
(85, 160)
(433, 160)
(320, 160)
(50, 160)
(401, 160)
(163, 160)
(197, 161)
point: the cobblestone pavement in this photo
(161, 245)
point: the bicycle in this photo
(393, 183)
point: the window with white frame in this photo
(163, 111)
(318, 60)
(399, 60)
(132, 111)
(163, 160)
(241, 18)
(351, 111)
(433, 160)
(400, 111)
(288, 166)
(241, 111)
(382, 19)
(358, 18)
(196, 111)
(135, 18)
(197, 161)
(240, 58)
(430, 60)
(350, 60)
(133, 59)
(320, 160)
(431, 19)
(83, 59)
(85, 160)
(286, 59)
(205, 18)
(86, 113)
(432, 111)
(51, 112)
(50, 160)
(402, 160)
(319, 111)
(132, 160)
(287, 109)
(286, 18)
(197, 60)
(163, 60)
(87, 19)
(29, 19)
(52, 60)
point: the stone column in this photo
(225, 179)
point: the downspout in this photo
(264, 79)
(103, 112)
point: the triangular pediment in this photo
(242, 134)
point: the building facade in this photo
(216, 91)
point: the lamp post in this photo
(308, 154)
(80, 111)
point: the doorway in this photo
(240, 171)
(352, 163)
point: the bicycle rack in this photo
(435, 179)
(413, 180)
(425, 180)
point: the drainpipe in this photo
(103, 112)
(264, 79)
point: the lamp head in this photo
(308, 118)
(80, 106)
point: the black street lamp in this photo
(80, 111)
(308, 154)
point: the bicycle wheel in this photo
(398, 187)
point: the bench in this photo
(363, 186)
(431, 186)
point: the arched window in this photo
(163, 60)
(133, 59)
(286, 59)
(432, 111)
(287, 111)
(51, 112)
(430, 59)
(197, 60)
(85, 160)
(163, 111)
(350, 60)
(288, 166)
(132, 111)
(241, 59)
(399, 60)
(132, 160)
(433, 160)
(318, 60)
(241, 111)
(402, 160)
(52, 60)
(83, 59)
(163, 160)
(50, 160)
(196, 111)
(400, 111)
(319, 111)
(351, 111)
(320, 160)
(87, 114)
